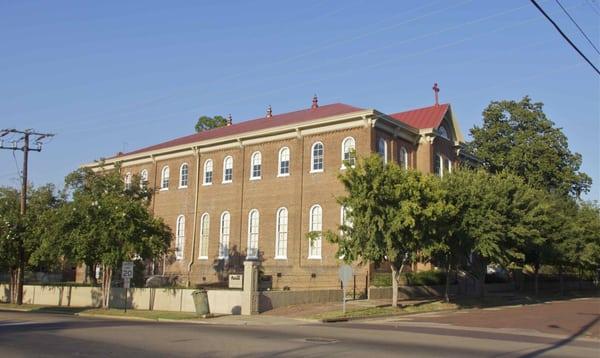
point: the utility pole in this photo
(23, 144)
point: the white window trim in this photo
(279, 175)
(221, 257)
(278, 257)
(310, 222)
(162, 178)
(404, 157)
(143, 178)
(212, 170)
(385, 149)
(180, 171)
(205, 257)
(252, 166)
(343, 167)
(225, 168)
(249, 234)
(178, 235)
(312, 158)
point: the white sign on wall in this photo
(127, 270)
(236, 281)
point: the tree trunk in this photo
(106, 283)
(536, 271)
(395, 276)
(561, 281)
(448, 274)
(13, 285)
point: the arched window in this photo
(348, 148)
(128, 181)
(317, 155)
(403, 158)
(382, 149)
(315, 226)
(179, 237)
(255, 165)
(443, 132)
(448, 165)
(183, 175)
(438, 165)
(253, 222)
(284, 162)
(208, 172)
(224, 235)
(143, 178)
(281, 234)
(204, 231)
(228, 169)
(164, 178)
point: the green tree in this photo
(488, 225)
(205, 123)
(518, 137)
(107, 223)
(392, 214)
(20, 237)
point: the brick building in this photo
(256, 188)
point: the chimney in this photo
(436, 90)
(315, 102)
(229, 120)
(269, 112)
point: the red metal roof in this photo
(256, 124)
(427, 117)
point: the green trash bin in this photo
(201, 302)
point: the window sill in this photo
(206, 184)
(283, 175)
(203, 258)
(316, 171)
(163, 189)
(183, 187)
(227, 182)
(255, 178)
(314, 257)
(222, 257)
(280, 258)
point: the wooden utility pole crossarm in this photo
(22, 143)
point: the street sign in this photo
(127, 270)
(345, 274)
(236, 281)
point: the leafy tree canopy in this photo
(518, 137)
(205, 123)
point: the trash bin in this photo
(201, 302)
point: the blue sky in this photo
(112, 76)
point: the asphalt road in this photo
(51, 335)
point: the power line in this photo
(576, 24)
(591, 4)
(565, 36)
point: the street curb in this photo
(16, 309)
(364, 318)
(79, 314)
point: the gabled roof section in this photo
(423, 118)
(276, 120)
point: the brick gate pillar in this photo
(250, 291)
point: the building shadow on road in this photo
(565, 341)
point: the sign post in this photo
(126, 275)
(345, 275)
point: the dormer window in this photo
(443, 132)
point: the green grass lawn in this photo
(155, 315)
(385, 311)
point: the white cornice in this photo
(263, 135)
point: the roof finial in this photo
(269, 112)
(315, 102)
(436, 90)
(229, 120)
